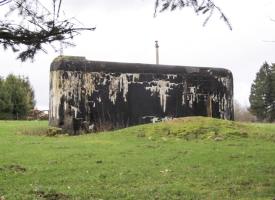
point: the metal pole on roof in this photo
(157, 52)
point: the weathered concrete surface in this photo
(92, 95)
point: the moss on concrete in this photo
(69, 58)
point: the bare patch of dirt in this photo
(14, 168)
(52, 195)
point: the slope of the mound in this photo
(202, 128)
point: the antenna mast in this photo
(157, 52)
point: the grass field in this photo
(188, 158)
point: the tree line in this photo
(262, 94)
(16, 97)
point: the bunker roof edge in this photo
(77, 63)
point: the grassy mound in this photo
(191, 128)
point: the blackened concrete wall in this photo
(92, 95)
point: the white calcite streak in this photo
(76, 86)
(120, 84)
(160, 87)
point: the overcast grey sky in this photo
(126, 31)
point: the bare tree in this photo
(242, 113)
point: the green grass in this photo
(188, 158)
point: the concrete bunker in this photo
(87, 96)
